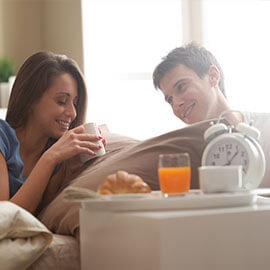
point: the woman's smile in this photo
(63, 124)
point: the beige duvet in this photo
(22, 237)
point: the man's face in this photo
(192, 98)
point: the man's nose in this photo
(177, 104)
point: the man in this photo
(192, 82)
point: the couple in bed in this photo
(43, 135)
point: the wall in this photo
(1, 28)
(21, 29)
(62, 28)
(28, 26)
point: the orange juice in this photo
(174, 180)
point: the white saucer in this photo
(128, 196)
(194, 199)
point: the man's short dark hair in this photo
(192, 56)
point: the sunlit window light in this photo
(237, 33)
(123, 42)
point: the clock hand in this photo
(227, 155)
(230, 160)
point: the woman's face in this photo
(54, 112)
(192, 98)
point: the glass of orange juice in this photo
(174, 173)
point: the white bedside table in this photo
(221, 238)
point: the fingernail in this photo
(100, 137)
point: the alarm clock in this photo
(235, 146)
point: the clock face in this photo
(228, 152)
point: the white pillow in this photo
(262, 122)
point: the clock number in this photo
(228, 146)
(221, 149)
(228, 153)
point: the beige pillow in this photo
(127, 154)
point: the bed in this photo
(123, 153)
(137, 157)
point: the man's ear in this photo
(214, 75)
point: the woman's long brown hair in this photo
(34, 78)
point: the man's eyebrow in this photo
(178, 82)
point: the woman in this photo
(42, 129)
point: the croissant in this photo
(123, 182)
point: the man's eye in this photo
(180, 88)
(170, 99)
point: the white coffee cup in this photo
(92, 128)
(220, 178)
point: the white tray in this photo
(194, 199)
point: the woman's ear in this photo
(214, 75)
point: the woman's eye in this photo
(75, 102)
(61, 102)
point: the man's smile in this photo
(187, 110)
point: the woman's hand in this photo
(75, 162)
(103, 139)
(72, 143)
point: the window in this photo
(123, 42)
(237, 33)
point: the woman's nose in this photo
(71, 111)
